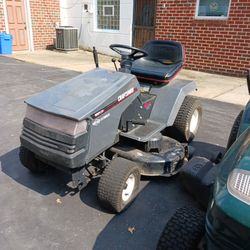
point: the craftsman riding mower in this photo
(106, 123)
(226, 223)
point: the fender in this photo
(169, 100)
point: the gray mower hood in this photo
(81, 96)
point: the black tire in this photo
(234, 130)
(29, 161)
(113, 182)
(181, 127)
(184, 230)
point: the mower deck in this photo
(167, 162)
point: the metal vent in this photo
(66, 38)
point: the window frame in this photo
(96, 29)
(211, 17)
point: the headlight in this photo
(59, 123)
(238, 185)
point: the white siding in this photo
(72, 14)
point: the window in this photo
(212, 9)
(108, 14)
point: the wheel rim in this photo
(194, 122)
(129, 188)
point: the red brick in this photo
(216, 46)
(44, 15)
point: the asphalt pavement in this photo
(42, 212)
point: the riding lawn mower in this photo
(118, 125)
(222, 221)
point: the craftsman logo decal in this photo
(126, 94)
(120, 98)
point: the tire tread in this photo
(181, 123)
(235, 129)
(184, 230)
(110, 184)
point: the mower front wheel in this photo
(29, 161)
(118, 185)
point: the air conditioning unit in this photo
(66, 38)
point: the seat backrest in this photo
(165, 50)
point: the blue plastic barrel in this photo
(5, 43)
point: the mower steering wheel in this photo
(117, 48)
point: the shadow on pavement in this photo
(52, 181)
(138, 227)
(207, 150)
(55, 181)
(88, 196)
(145, 218)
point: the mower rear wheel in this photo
(187, 121)
(184, 230)
(29, 161)
(234, 130)
(118, 185)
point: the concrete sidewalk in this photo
(217, 87)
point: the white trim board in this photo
(5, 17)
(29, 25)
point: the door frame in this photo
(28, 23)
(131, 40)
(133, 21)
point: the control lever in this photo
(95, 55)
(113, 61)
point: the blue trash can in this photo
(5, 43)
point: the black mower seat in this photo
(164, 60)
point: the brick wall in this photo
(213, 46)
(2, 23)
(44, 15)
